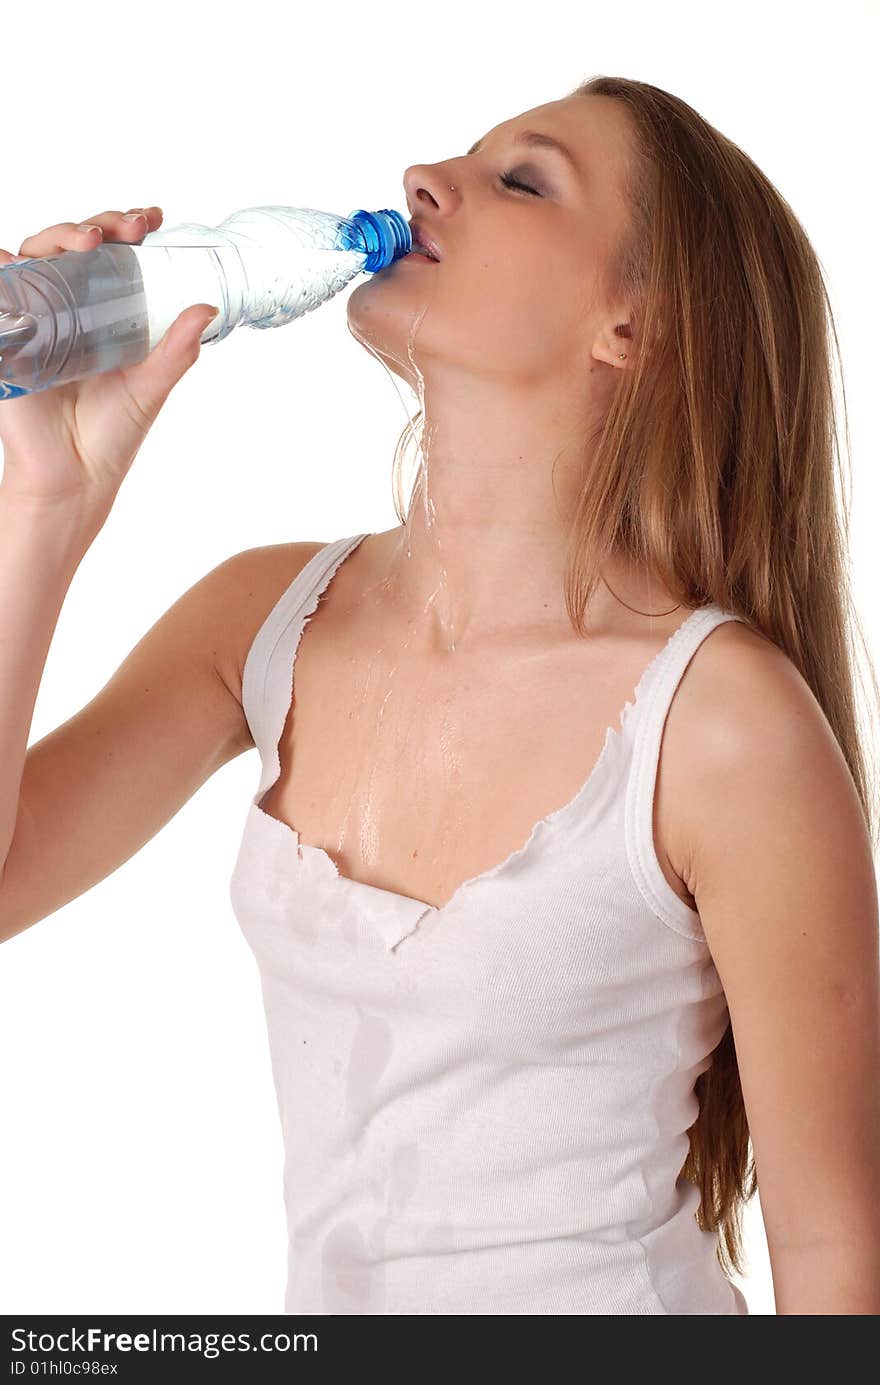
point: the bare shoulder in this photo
(741, 688)
(246, 588)
(741, 705)
(725, 688)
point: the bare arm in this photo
(100, 786)
(780, 864)
(41, 546)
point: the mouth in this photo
(422, 244)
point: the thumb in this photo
(181, 343)
(152, 379)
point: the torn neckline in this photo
(613, 741)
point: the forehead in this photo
(595, 128)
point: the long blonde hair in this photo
(717, 468)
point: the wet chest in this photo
(416, 773)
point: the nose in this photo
(429, 183)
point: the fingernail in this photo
(134, 216)
(86, 227)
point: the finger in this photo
(111, 226)
(151, 380)
(153, 215)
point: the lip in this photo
(420, 237)
(417, 256)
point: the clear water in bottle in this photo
(63, 317)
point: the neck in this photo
(482, 553)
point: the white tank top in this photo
(484, 1106)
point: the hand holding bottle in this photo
(75, 443)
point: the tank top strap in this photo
(654, 702)
(266, 685)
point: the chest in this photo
(416, 773)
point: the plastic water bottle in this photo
(63, 317)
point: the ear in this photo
(611, 342)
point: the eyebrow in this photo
(535, 139)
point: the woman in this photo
(535, 968)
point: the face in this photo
(526, 238)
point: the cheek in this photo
(501, 312)
(511, 310)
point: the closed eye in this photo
(510, 182)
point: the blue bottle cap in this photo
(386, 237)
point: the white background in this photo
(140, 1157)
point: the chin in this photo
(382, 333)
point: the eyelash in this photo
(510, 182)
